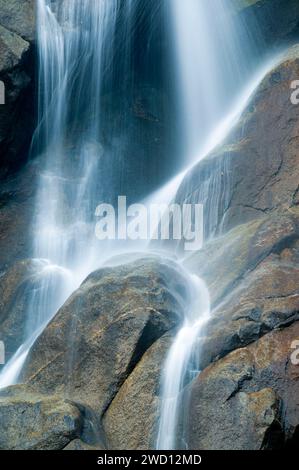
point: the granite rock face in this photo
(257, 166)
(276, 20)
(98, 337)
(35, 422)
(17, 198)
(246, 398)
(131, 419)
(17, 71)
(249, 399)
(16, 285)
(18, 16)
(98, 363)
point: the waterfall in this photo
(182, 362)
(215, 57)
(75, 46)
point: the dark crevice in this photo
(274, 437)
(149, 336)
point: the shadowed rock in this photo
(30, 421)
(257, 166)
(248, 400)
(132, 418)
(16, 286)
(104, 329)
(18, 16)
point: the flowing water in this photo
(75, 42)
(212, 57)
(82, 45)
(182, 362)
(176, 373)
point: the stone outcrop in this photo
(102, 354)
(246, 398)
(131, 419)
(98, 363)
(104, 329)
(18, 16)
(15, 288)
(249, 399)
(17, 74)
(259, 159)
(252, 270)
(30, 421)
(273, 20)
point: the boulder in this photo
(266, 299)
(12, 49)
(101, 333)
(18, 16)
(249, 399)
(16, 73)
(131, 420)
(273, 20)
(30, 421)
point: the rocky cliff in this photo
(17, 72)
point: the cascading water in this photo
(76, 42)
(214, 56)
(181, 364)
(75, 48)
(85, 56)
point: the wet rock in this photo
(257, 167)
(21, 289)
(104, 329)
(16, 212)
(266, 299)
(18, 16)
(249, 399)
(12, 49)
(35, 422)
(236, 253)
(16, 73)
(251, 266)
(16, 286)
(132, 418)
(275, 19)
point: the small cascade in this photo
(213, 55)
(181, 364)
(214, 89)
(75, 45)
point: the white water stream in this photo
(215, 80)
